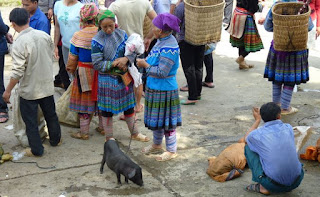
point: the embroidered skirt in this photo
(250, 40)
(113, 95)
(81, 102)
(162, 109)
(288, 68)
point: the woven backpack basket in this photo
(203, 21)
(290, 30)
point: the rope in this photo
(30, 162)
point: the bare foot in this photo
(264, 190)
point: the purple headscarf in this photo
(167, 22)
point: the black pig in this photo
(120, 163)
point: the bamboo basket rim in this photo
(205, 6)
(291, 15)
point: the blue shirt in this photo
(274, 143)
(68, 19)
(39, 21)
(179, 12)
(163, 6)
(164, 63)
(3, 31)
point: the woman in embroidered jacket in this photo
(285, 69)
(243, 31)
(162, 106)
(80, 64)
(108, 48)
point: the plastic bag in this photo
(301, 135)
(18, 124)
(63, 112)
(135, 44)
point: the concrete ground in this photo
(218, 120)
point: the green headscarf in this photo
(104, 14)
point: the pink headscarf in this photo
(88, 12)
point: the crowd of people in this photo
(90, 45)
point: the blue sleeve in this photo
(3, 27)
(43, 26)
(252, 141)
(97, 58)
(310, 24)
(268, 23)
(166, 62)
(74, 50)
(179, 11)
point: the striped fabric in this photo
(113, 95)
(82, 38)
(286, 97)
(158, 136)
(171, 141)
(288, 68)
(162, 109)
(276, 93)
(81, 102)
(251, 39)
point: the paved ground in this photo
(219, 119)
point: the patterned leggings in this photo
(171, 139)
(282, 94)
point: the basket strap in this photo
(290, 35)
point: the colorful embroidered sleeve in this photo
(73, 59)
(97, 58)
(166, 62)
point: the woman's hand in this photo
(56, 52)
(121, 63)
(141, 63)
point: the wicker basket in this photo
(290, 31)
(203, 21)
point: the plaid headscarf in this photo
(104, 14)
(88, 12)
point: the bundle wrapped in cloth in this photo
(134, 44)
(229, 164)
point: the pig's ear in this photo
(131, 173)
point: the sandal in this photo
(151, 150)
(288, 112)
(166, 156)
(140, 137)
(5, 116)
(188, 102)
(78, 135)
(184, 88)
(254, 188)
(99, 130)
(206, 84)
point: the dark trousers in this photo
(192, 63)
(3, 105)
(243, 52)
(62, 76)
(208, 63)
(29, 113)
(228, 11)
